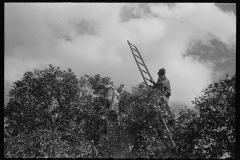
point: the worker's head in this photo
(161, 72)
(109, 86)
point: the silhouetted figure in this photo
(162, 86)
(112, 96)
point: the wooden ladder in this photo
(137, 56)
(114, 142)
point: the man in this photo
(162, 85)
(111, 95)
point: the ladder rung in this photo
(115, 148)
(145, 72)
(116, 145)
(137, 56)
(113, 131)
(134, 49)
(113, 127)
(148, 79)
(114, 136)
(141, 64)
(113, 123)
(134, 55)
(110, 122)
(131, 44)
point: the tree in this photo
(53, 114)
(52, 108)
(143, 129)
(212, 133)
(208, 132)
(185, 132)
(42, 99)
(217, 118)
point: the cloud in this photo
(187, 24)
(91, 38)
(201, 20)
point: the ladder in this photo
(139, 57)
(114, 142)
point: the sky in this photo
(194, 42)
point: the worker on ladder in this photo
(164, 90)
(162, 86)
(111, 95)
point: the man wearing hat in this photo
(162, 85)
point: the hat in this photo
(162, 70)
(109, 86)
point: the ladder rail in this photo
(134, 49)
(116, 133)
(144, 78)
(168, 132)
(137, 56)
(145, 72)
(166, 128)
(144, 64)
(141, 64)
(138, 65)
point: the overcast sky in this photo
(194, 42)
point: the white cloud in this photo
(186, 75)
(201, 19)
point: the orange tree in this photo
(207, 132)
(53, 114)
(210, 133)
(42, 100)
(217, 119)
(143, 130)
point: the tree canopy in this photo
(52, 113)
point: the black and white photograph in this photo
(120, 80)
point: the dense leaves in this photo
(51, 113)
(216, 122)
(210, 132)
(146, 133)
(42, 99)
(57, 102)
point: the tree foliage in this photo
(57, 102)
(51, 113)
(42, 99)
(209, 132)
(216, 122)
(145, 132)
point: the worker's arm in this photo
(154, 83)
(116, 93)
(167, 88)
